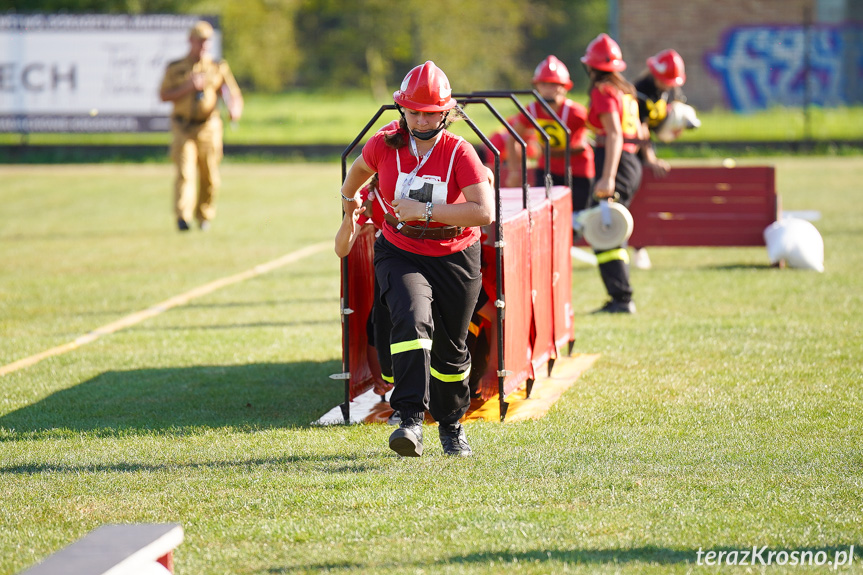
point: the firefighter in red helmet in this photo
(552, 81)
(658, 86)
(436, 195)
(613, 116)
(661, 108)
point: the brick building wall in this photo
(702, 31)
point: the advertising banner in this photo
(90, 72)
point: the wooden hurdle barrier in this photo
(705, 206)
(130, 549)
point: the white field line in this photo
(155, 310)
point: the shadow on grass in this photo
(327, 463)
(731, 267)
(647, 555)
(175, 400)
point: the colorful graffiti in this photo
(766, 66)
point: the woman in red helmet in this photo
(613, 115)
(436, 196)
(551, 79)
(657, 87)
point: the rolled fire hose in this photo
(607, 225)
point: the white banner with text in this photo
(91, 72)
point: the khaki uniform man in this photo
(194, 85)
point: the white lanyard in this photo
(410, 177)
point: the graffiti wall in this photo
(764, 66)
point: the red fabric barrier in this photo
(705, 206)
(541, 248)
(561, 262)
(516, 290)
(361, 280)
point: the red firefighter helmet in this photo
(603, 53)
(553, 71)
(425, 89)
(668, 67)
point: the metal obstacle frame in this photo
(500, 302)
(345, 312)
(511, 94)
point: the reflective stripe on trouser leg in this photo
(614, 270)
(612, 255)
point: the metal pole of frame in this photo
(345, 311)
(568, 134)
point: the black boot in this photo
(617, 306)
(407, 440)
(454, 440)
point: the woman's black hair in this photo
(616, 79)
(399, 138)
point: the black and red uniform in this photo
(659, 86)
(653, 101)
(428, 282)
(607, 99)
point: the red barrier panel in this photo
(541, 249)
(705, 206)
(561, 263)
(361, 278)
(516, 289)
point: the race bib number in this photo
(422, 189)
(556, 133)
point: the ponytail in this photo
(614, 79)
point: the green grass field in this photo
(727, 414)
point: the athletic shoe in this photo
(394, 418)
(205, 225)
(454, 440)
(617, 306)
(407, 440)
(641, 260)
(182, 225)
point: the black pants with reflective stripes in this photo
(614, 263)
(421, 326)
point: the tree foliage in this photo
(276, 45)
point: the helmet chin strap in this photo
(428, 135)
